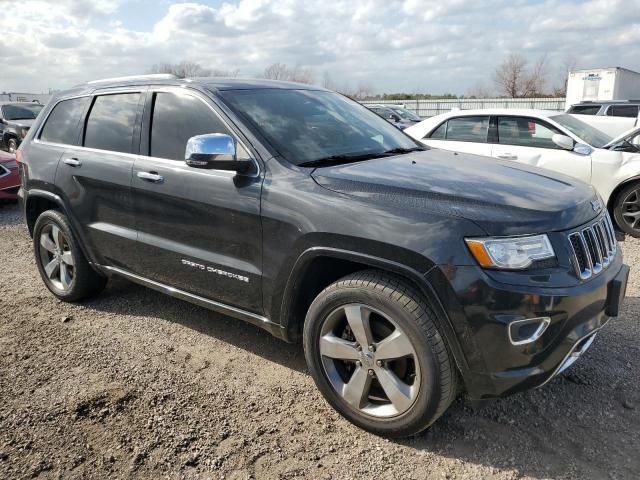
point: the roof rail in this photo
(152, 76)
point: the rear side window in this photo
(177, 118)
(585, 109)
(468, 129)
(112, 122)
(62, 124)
(623, 111)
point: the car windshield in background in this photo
(593, 136)
(307, 126)
(21, 112)
(406, 114)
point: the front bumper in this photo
(482, 310)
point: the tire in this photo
(12, 145)
(56, 251)
(420, 360)
(625, 208)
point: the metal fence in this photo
(430, 108)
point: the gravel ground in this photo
(135, 384)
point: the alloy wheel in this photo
(55, 255)
(630, 210)
(369, 361)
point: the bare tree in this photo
(479, 90)
(327, 81)
(510, 75)
(535, 81)
(569, 64)
(280, 71)
(183, 69)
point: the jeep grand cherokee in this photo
(408, 273)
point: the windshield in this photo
(406, 114)
(21, 112)
(306, 126)
(587, 133)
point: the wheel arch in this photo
(318, 267)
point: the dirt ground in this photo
(135, 384)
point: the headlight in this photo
(23, 132)
(513, 253)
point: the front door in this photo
(198, 230)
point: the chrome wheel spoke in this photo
(358, 319)
(356, 391)
(47, 243)
(396, 345)
(65, 276)
(51, 268)
(337, 348)
(399, 393)
(67, 258)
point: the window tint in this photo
(62, 124)
(468, 129)
(585, 109)
(440, 132)
(111, 122)
(623, 111)
(177, 118)
(526, 132)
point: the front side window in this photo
(62, 124)
(307, 126)
(526, 132)
(28, 111)
(177, 118)
(468, 129)
(590, 135)
(629, 111)
(111, 122)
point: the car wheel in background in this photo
(12, 145)
(374, 351)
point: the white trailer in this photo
(601, 84)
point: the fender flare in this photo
(412, 276)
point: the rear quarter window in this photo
(62, 125)
(112, 121)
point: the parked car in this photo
(407, 273)
(15, 121)
(552, 140)
(611, 108)
(9, 178)
(398, 116)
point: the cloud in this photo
(401, 45)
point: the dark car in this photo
(409, 274)
(15, 121)
(398, 116)
(9, 178)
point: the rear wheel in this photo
(62, 265)
(374, 351)
(626, 209)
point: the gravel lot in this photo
(135, 384)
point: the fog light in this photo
(528, 330)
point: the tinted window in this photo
(623, 111)
(440, 133)
(585, 109)
(468, 129)
(526, 132)
(27, 111)
(177, 118)
(308, 125)
(62, 124)
(111, 122)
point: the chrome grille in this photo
(593, 248)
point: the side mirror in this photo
(564, 142)
(395, 118)
(215, 151)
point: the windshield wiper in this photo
(400, 151)
(339, 159)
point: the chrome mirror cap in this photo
(203, 150)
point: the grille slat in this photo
(593, 247)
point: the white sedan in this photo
(552, 140)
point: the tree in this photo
(186, 69)
(280, 71)
(560, 88)
(479, 90)
(510, 75)
(535, 81)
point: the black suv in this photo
(409, 274)
(15, 121)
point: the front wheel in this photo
(626, 209)
(375, 353)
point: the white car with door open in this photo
(553, 140)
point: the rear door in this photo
(467, 134)
(198, 230)
(529, 141)
(96, 175)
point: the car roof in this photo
(20, 103)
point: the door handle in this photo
(72, 162)
(508, 156)
(152, 177)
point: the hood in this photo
(24, 123)
(501, 197)
(625, 136)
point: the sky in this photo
(414, 46)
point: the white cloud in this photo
(408, 45)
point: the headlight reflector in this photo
(515, 253)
